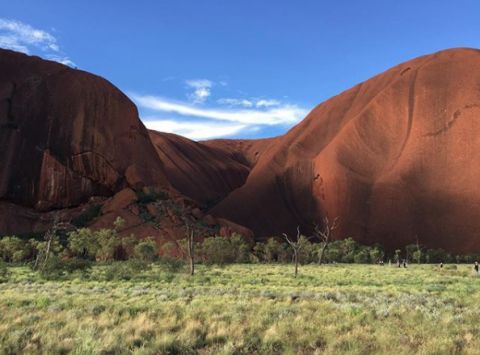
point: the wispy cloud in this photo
(249, 102)
(201, 90)
(267, 103)
(235, 102)
(22, 37)
(195, 130)
(284, 114)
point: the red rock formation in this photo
(396, 158)
(204, 173)
(245, 151)
(66, 135)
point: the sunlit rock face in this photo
(396, 158)
(67, 135)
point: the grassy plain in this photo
(331, 309)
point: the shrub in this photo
(3, 272)
(171, 264)
(146, 250)
(348, 248)
(238, 244)
(53, 269)
(417, 256)
(104, 244)
(376, 254)
(76, 264)
(437, 256)
(223, 250)
(362, 256)
(56, 267)
(83, 242)
(216, 250)
(14, 249)
(124, 270)
(271, 250)
(308, 251)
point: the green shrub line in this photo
(79, 249)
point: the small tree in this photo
(324, 234)
(376, 254)
(296, 246)
(83, 242)
(51, 240)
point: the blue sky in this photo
(235, 68)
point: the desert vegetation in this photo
(241, 308)
(94, 292)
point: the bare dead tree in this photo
(190, 233)
(296, 246)
(49, 237)
(324, 234)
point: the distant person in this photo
(441, 265)
(476, 266)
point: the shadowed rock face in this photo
(396, 158)
(200, 172)
(66, 135)
(206, 171)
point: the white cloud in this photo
(235, 102)
(282, 114)
(16, 34)
(22, 37)
(267, 103)
(202, 90)
(259, 103)
(194, 130)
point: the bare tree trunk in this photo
(191, 253)
(37, 259)
(295, 253)
(323, 234)
(47, 250)
(296, 245)
(322, 252)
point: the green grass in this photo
(332, 309)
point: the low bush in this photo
(223, 250)
(15, 250)
(56, 268)
(4, 273)
(171, 264)
(146, 250)
(125, 270)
